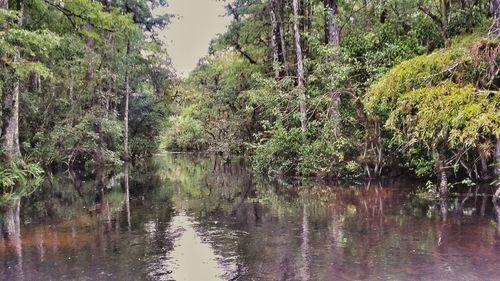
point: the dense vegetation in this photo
(346, 88)
(332, 88)
(83, 84)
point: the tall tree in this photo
(10, 224)
(332, 33)
(300, 65)
(280, 15)
(127, 97)
(10, 110)
(275, 38)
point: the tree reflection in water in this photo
(186, 216)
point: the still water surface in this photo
(194, 218)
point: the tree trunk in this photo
(332, 31)
(332, 34)
(127, 95)
(443, 183)
(496, 195)
(441, 21)
(495, 26)
(10, 125)
(127, 195)
(300, 66)
(280, 14)
(10, 222)
(383, 14)
(10, 114)
(485, 174)
(497, 170)
(275, 37)
(100, 165)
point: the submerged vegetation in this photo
(350, 89)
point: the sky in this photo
(189, 34)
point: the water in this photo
(196, 218)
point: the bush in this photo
(279, 154)
(184, 133)
(288, 152)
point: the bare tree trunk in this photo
(71, 85)
(127, 195)
(332, 31)
(496, 196)
(443, 183)
(127, 95)
(281, 15)
(275, 38)
(10, 115)
(10, 125)
(497, 170)
(332, 34)
(9, 220)
(495, 11)
(300, 66)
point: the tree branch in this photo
(71, 15)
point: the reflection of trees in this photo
(205, 186)
(272, 231)
(496, 206)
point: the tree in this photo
(300, 66)
(441, 19)
(495, 11)
(275, 39)
(332, 32)
(65, 67)
(432, 105)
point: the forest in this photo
(84, 84)
(350, 89)
(332, 90)
(358, 139)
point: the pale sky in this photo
(188, 36)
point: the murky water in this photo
(195, 218)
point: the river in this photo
(188, 217)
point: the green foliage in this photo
(285, 152)
(457, 114)
(400, 95)
(184, 132)
(72, 59)
(279, 154)
(18, 180)
(212, 111)
(421, 71)
(436, 102)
